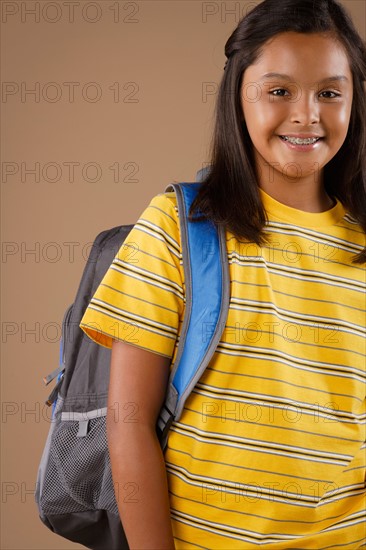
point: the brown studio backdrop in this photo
(122, 105)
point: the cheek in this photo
(260, 118)
(338, 122)
(344, 114)
(345, 118)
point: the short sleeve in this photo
(140, 300)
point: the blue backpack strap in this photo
(207, 281)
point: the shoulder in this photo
(162, 213)
(165, 204)
(158, 223)
(350, 233)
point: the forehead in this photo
(309, 57)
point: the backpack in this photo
(74, 492)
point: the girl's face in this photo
(296, 100)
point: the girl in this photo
(270, 449)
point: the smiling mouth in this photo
(300, 141)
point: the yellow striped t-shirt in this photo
(270, 448)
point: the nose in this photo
(305, 110)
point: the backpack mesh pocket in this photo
(78, 475)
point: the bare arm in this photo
(136, 394)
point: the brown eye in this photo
(328, 94)
(279, 92)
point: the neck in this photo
(306, 194)
(300, 198)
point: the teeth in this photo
(300, 141)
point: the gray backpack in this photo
(75, 493)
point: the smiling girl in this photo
(300, 117)
(270, 448)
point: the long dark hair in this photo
(223, 197)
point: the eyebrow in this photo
(338, 77)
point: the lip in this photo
(301, 148)
(302, 136)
